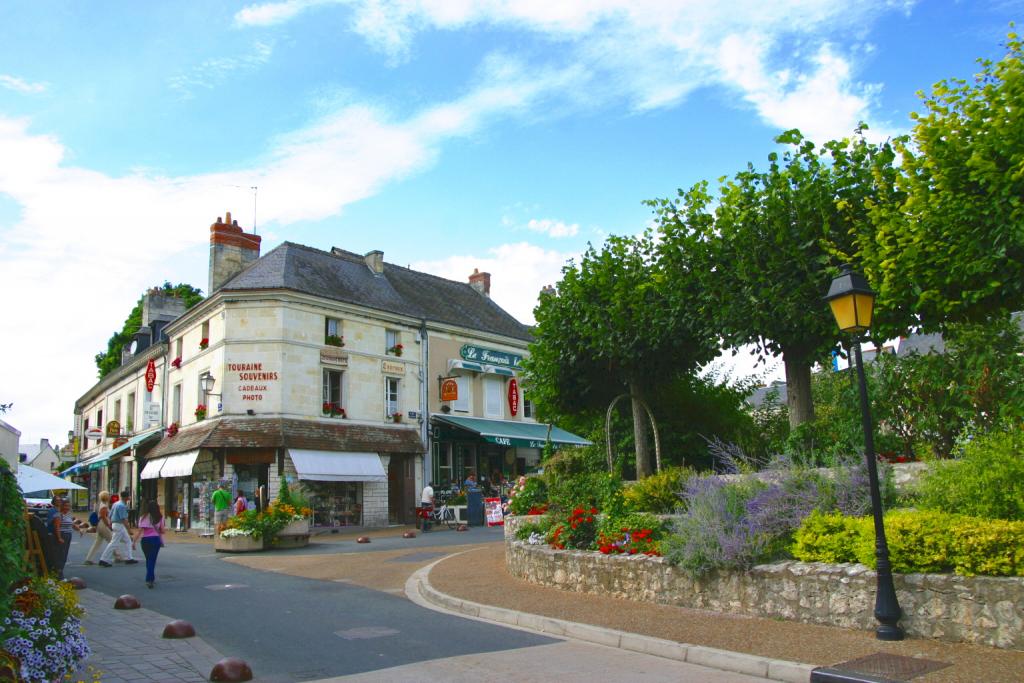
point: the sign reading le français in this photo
(479, 354)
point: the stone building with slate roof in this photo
(325, 369)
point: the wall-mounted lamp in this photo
(206, 383)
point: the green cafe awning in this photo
(98, 461)
(513, 433)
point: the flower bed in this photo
(985, 610)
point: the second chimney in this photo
(375, 261)
(231, 250)
(481, 282)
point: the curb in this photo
(419, 590)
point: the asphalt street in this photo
(356, 626)
(290, 628)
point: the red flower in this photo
(176, 363)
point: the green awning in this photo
(98, 461)
(513, 433)
(500, 371)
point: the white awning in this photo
(152, 469)
(337, 466)
(179, 465)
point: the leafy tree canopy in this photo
(949, 238)
(109, 360)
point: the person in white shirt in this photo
(427, 501)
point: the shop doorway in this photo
(402, 489)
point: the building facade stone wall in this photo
(983, 610)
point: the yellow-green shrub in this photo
(658, 493)
(828, 537)
(920, 541)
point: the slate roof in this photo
(344, 276)
(337, 435)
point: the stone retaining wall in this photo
(985, 610)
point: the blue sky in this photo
(453, 135)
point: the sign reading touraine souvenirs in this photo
(253, 380)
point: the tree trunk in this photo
(640, 437)
(798, 389)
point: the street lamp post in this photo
(852, 301)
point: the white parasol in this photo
(31, 479)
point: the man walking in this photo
(119, 534)
(221, 504)
(427, 504)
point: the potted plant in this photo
(204, 342)
(334, 340)
(333, 410)
(172, 429)
(396, 349)
(396, 417)
(176, 363)
(201, 412)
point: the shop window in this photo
(332, 332)
(442, 466)
(463, 403)
(492, 397)
(336, 504)
(129, 416)
(332, 387)
(176, 404)
(391, 402)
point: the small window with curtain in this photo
(391, 402)
(332, 332)
(492, 397)
(463, 403)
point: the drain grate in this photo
(888, 667)
(366, 632)
(416, 557)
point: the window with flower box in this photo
(204, 336)
(332, 393)
(332, 332)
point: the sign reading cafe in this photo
(478, 354)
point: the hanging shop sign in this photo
(150, 374)
(94, 433)
(513, 397)
(449, 389)
(120, 441)
(479, 354)
(113, 428)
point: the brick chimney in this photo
(231, 250)
(481, 282)
(375, 261)
(547, 290)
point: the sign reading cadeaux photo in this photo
(479, 354)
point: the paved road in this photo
(290, 628)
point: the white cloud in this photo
(518, 272)
(20, 84)
(553, 228)
(85, 244)
(213, 72)
(653, 53)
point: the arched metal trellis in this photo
(608, 430)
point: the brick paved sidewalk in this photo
(128, 647)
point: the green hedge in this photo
(920, 541)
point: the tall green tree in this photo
(948, 243)
(764, 254)
(109, 360)
(614, 327)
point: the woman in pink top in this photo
(151, 531)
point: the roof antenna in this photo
(254, 191)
